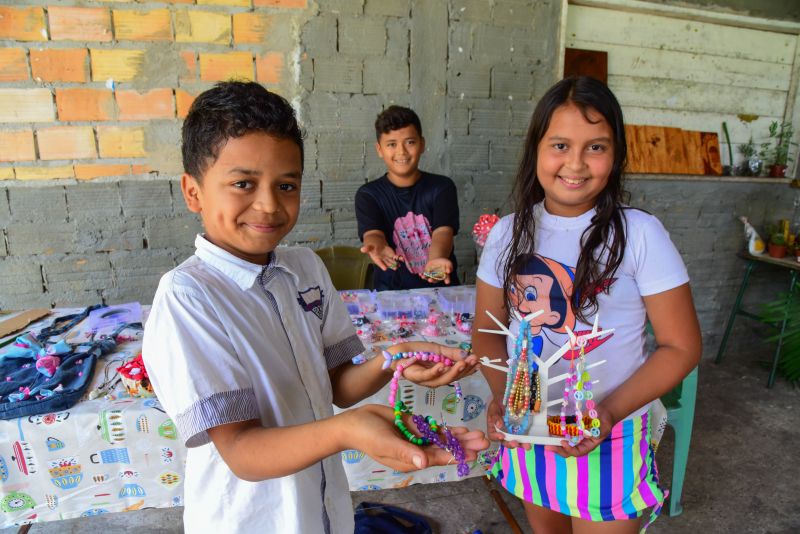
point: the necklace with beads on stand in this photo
(578, 387)
(522, 394)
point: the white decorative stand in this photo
(538, 432)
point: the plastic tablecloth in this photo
(116, 453)
(113, 453)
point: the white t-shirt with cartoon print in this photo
(228, 341)
(651, 264)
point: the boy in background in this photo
(248, 345)
(407, 218)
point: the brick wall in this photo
(90, 92)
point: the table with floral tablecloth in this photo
(111, 453)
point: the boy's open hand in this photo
(432, 374)
(373, 432)
(494, 420)
(384, 258)
(437, 270)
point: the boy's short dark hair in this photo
(230, 110)
(394, 118)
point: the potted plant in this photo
(729, 169)
(786, 307)
(777, 149)
(751, 166)
(777, 245)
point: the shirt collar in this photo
(240, 271)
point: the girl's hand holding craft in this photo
(494, 420)
(432, 374)
(372, 430)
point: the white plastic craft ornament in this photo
(538, 432)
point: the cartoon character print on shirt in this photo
(311, 300)
(412, 239)
(546, 284)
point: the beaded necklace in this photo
(522, 394)
(577, 386)
(427, 425)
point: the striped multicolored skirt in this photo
(617, 480)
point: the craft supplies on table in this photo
(110, 452)
(402, 304)
(442, 404)
(458, 299)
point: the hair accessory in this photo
(427, 426)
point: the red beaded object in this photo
(135, 378)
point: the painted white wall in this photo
(691, 74)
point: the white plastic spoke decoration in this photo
(538, 431)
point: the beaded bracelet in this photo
(450, 444)
(427, 426)
(419, 356)
(554, 425)
(577, 386)
(399, 409)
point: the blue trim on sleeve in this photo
(218, 409)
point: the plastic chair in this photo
(348, 266)
(680, 416)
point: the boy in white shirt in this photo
(248, 345)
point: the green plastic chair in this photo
(680, 416)
(348, 266)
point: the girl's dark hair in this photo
(603, 242)
(230, 110)
(394, 118)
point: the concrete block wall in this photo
(472, 70)
(77, 244)
(701, 217)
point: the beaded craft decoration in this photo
(578, 386)
(528, 380)
(480, 230)
(435, 275)
(464, 322)
(427, 425)
(432, 328)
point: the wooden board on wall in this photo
(593, 63)
(662, 150)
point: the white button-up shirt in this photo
(227, 341)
